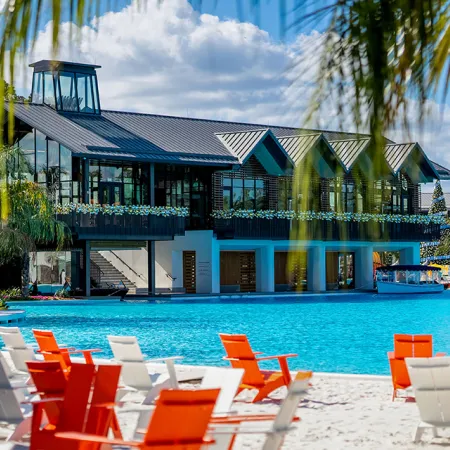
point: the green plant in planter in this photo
(7, 295)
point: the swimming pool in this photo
(334, 333)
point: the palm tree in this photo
(31, 221)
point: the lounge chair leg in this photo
(21, 430)
(172, 374)
(418, 434)
(435, 432)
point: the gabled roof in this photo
(261, 143)
(427, 199)
(444, 173)
(242, 143)
(412, 159)
(348, 150)
(298, 146)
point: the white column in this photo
(177, 269)
(364, 267)
(265, 269)
(410, 254)
(215, 267)
(316, 269)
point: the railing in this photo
(126, 226)
(128, 266)
(284, 229)
(96, 272)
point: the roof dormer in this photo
(66, 86)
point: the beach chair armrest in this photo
(440, 354)
(391, 355)
(89, 350)
(247, 429)
(289, 355)
(84, 437)
(244, 418)
(42, 401)
(169, 358)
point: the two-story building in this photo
(255, 208)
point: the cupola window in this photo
(67, 87)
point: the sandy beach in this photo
(339, 412)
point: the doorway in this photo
(238, 271)
(111, 194)
(340, 270)
(189, 272)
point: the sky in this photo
(217, 61)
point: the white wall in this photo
(138, 261)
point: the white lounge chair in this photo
(275, 430)
(19, 351)
(135, 375)
(11, 412)
(430, 379)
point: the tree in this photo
(31, 222)
(441, 247)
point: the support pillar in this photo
(85, 181)
(177, 269)
(87, 268)
(151, 268)
(215, 267)
(317, 269)
(364, 268)
(152, 184)
(411, 254)
(265, 269)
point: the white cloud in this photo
(169, 59)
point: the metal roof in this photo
(242, 143)
(426, 198)
(348, 150)
(298, 146)
(396, 154)
(444, 173)
(151, 137)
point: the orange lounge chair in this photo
(179, 421)
(408, 346)
(241, 356)
(87, 406)
(51, 351)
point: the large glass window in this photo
(85, 93)
(49, 89)
(68, 93)
(65, 164)
(26, 145)
(247, 193)
(41, 157)
(38, 87)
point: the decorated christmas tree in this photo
(440, 248)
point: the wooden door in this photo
(189, 272)
(238, 269)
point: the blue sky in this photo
(214, 61)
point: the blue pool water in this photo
(334, 333)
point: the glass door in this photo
(346, 271)
(111, 194)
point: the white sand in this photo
(339, 412)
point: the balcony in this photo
(123, 227)
(333, 230)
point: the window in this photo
(49, 89)
(38, 88)
(260, 195)
(26, 144)
(249, 194)
(65, 164)
(238, 194)
(85, 93)
(67, 94)
(41, 157)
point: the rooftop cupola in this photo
(66, 86)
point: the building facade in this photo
(205, 206)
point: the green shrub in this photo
(7, 295)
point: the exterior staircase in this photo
(109, 273)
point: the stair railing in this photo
(129, 267)
(96, 272)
